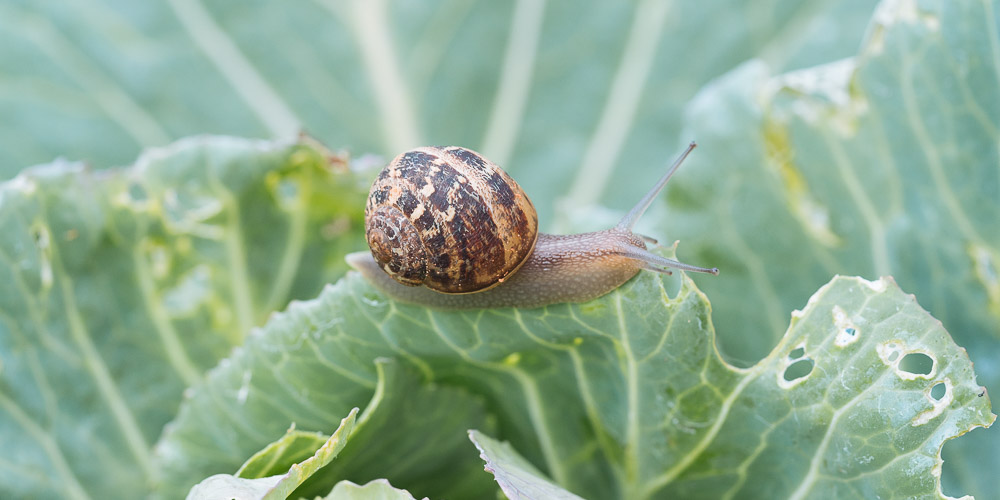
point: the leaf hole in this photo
(846, 336)
(373, 300)
(917, 363)
(797, 353)
(287, 191)
(43, 242)
(137, 192)
(847, 332)
(940, 397)
(41, 237)
(799, 369)
(938, 391)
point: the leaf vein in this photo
(515, 80)
(73, 488)
(169, 339)
(375, 40)
(105, 383)
(271, 110)
(810, 478)
(620, 109)
(110, 97)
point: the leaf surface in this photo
(123, 287)
(623, 397)
(405, 431)
(541, 87)
(254, 482)
(844, 168)
(379, 489)
(516, 476)
(881, 164)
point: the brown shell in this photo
(447, 218)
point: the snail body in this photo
(449, 229)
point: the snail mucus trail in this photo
(447, 228)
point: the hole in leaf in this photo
(797, 353)
(848, 333)
(289, 190)
(917, 363)
(893, 356)
(137, 192)
(938, 391)
(799, 369)
(41, 237)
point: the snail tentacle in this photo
(652, 262)
(632, 217)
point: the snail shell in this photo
(449, 219)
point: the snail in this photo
(447, 228)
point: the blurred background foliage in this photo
(837, 137)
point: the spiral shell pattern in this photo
(449, 219)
